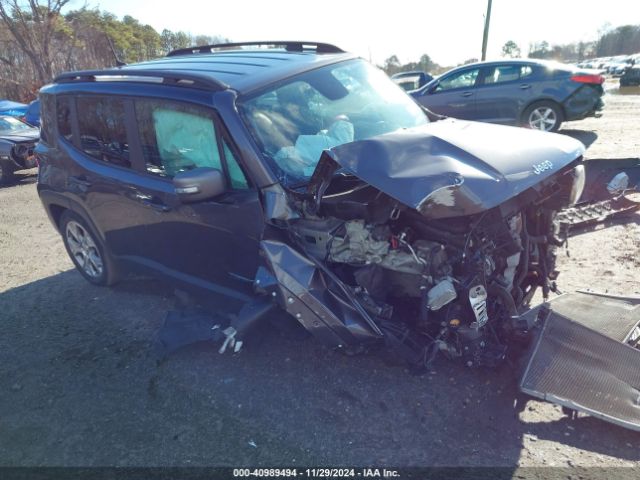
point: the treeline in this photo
(38, 41)
(624, 40)
(392, 65)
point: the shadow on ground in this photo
(23, 177)
(82, 387)
(587, 137)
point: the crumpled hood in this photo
(30, 135)
(452, 167)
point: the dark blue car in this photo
(535, 94)
(11, 108)
(32, 115)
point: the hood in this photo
(453, 168)
(30, 135)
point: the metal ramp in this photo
(583, 358)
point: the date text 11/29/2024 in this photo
(315, 472)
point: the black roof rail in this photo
(123, 74)
(290, 46)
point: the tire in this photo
(546, 116)
(87, 251)
(6, 173)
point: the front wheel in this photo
(545, 116)
(87, 251)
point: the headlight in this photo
(577, 187)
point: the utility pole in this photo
(485, 35)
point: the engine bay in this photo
(455, 285)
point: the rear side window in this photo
(526, 71)
(176, 137)
(47, 123)
(63, 114)
(502, 74)
(103, 133)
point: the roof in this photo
(241, 69)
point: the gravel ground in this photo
(80, 384)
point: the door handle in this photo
(158, 206)
(524, 86)
(466, 94)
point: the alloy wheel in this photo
(84, 249)
(543, 118)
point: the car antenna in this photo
(119, 63)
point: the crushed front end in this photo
(452, 285)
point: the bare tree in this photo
(33, 25)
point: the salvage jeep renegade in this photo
(301, 176)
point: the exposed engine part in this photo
(442, 294)
(478, 301)
(23, 156)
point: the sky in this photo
(449, 31)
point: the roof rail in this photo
(165, 77)
(294, 46)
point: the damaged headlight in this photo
(577, 187)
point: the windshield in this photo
(12, 125)
(295, 121)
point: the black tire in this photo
(87, 250)
(539, 115)
(6, 173)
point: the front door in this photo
(453, 95)
(213, 243)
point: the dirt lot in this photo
(80, 384)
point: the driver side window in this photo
(464, 79)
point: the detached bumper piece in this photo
(583, 358)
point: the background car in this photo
(411, 80)
(17, 141)
(11, 108)
(32, 115)
(631, 77)
(530, 93)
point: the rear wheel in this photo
(6, 173)
(87, 251)
(545, 116)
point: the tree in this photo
(391, 65)
(33, 27)
(38, 41)
(511, 49)
(539, 50)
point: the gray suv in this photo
(301, 177)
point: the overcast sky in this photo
(450, 31)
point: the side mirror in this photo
(199, 184)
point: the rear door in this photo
(453, 95)
(503, 91)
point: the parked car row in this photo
(410, 81)
(615, 66)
